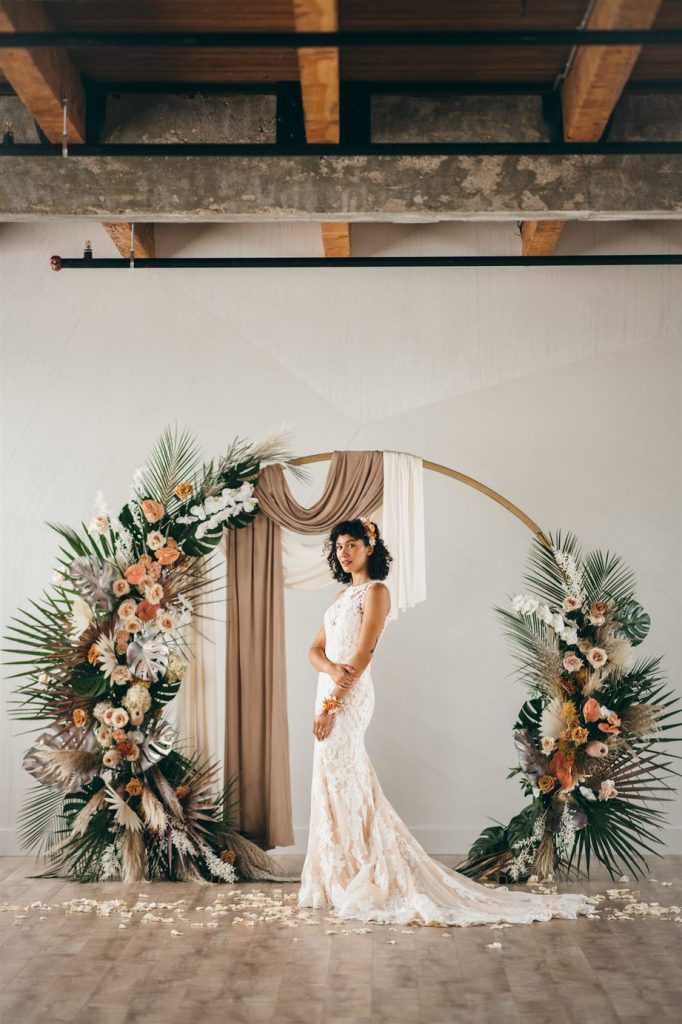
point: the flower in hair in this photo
(370, 529)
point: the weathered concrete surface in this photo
(23, 125)
(647, 118)
(394, 188)
(198, 117)
(452, 118)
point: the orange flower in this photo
(152, 510)
(561, 766)
(147, 611)
(579, 735)
(182, 791)
(80, 717)
(228, 856)
(125, 747)
(171, 542)
(134, 787)
(591, 710)
(168, 555)
(184, 491)
(93, 654)
(154, 570)
(608, 728)
(146, 560)
(546, 783)
(135, 573)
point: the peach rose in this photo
(107, 716)
(572, 662)
(184, 491)
(103, 735)
(154, 593)
(166, 622)
(80, 717)
(168, 555)
(548, 743)
(135, 573)
(596, 749)
(228, 856)
(607, 790)
(152, 510)
(546, 783)
(120, 587)
(133, 625)
(579, 735)
(111, 758)
(154, 571)
(598, 610)
(120, 675)
(93, 654)
(136, 716)
(119, 718)
(127, 608)
(134, 787)
(591, 710)
(571, 604)
(146, 560)
(607, 727)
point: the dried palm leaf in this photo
(153, 811)
(133, 856)
(123, 813)
(641, 720)
(82, 819)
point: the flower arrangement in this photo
(102, 654)
(589, 738)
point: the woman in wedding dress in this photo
(362, 862)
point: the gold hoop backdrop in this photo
(463, 478)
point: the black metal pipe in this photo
(241, 262)
(297, 40)
(267, 149)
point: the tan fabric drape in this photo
(256, 727)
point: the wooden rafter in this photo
(319, 75)
(42, 79)
(539, 237)
(593, 86)
(336, 239)
(145, 245)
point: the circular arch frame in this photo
(454, 474)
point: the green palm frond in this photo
(619, 835)
(545, 576)
(608, 578)
(40, 817)
(175, 458)
(527, 634)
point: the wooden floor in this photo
(162, 953)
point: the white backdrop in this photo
(558, 387)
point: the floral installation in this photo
(589, 739)
(102, 654)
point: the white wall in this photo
(559, 388)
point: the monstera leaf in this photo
(635, 622)
(148, 658)
(93, 579)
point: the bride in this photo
(362, 862)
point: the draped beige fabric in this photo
(256, 727)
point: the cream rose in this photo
(120, 675)
(572, 662)
(155, 540)
(607, 790)
(111, 758)
(597, 657)
(121, 587)
(103, 735)
(119, 718)
(571, 604)
(127, 608)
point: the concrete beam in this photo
(376, 188)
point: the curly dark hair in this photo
(379, 559)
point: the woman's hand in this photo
(322, 725)
(343, 675)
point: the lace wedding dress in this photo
(362, 862)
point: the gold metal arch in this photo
(463, 478)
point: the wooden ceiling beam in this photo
(145, 242)
(336, 240)
(599, 74)
(592, 88)
(41, 79)
(320, 87)
(539, 237)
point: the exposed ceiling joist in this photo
(145, 242)
(336, 240)
(592, 88)
(320, 88)
(42, 79)
(539, 237)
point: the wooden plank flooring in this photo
(187, 961)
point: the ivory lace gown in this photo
(362, 862)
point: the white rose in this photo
(557, 622)
(155, 540)
(103, 735)
(119, 718)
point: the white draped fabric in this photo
(199, 710)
